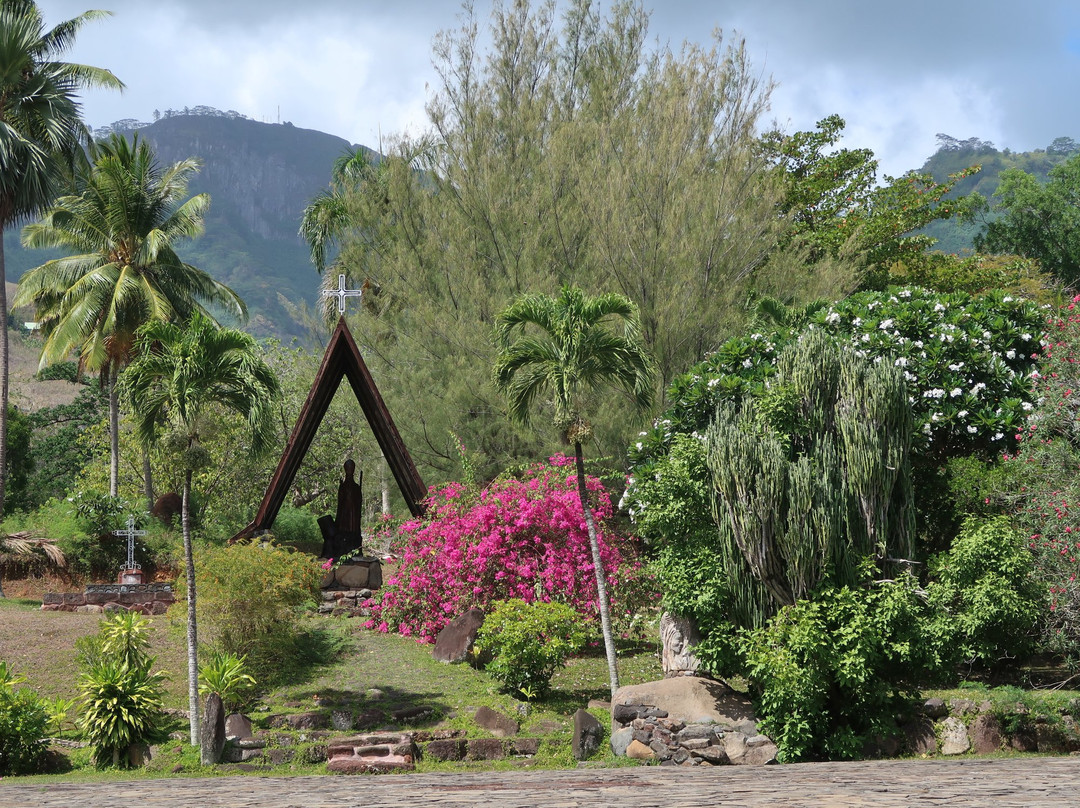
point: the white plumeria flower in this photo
(885, 325)
(1010, 354)
(901, 362)
(972, 430)
(833, 317)
(747, 363)
(956, 391)
(962, 414)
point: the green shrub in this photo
(827, 673)
(297, 527)
(23, 721)
(250, 600)
(225, 675)
(121, 697)
(528, 642)
(121, 706)
(987, 592)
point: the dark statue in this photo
(341, 534)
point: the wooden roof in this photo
(342, 359)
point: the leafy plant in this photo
(528, 642)
(987, 591)
(121, 706)
(58, 710)
(225, 675)
(23, 723)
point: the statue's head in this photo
(350, 467)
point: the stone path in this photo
(1028, 781)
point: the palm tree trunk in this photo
(148, 480)
(114, 434)
(192, 635)
(3, 372)
(598, 568)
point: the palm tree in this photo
(568, 351)
(123, 221)
(41, 133)
(177, 375)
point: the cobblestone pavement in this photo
(1030, 782)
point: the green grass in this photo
(372, 672)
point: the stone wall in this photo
(98, 598)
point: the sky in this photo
(898, 73)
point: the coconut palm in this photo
(41, 133)
(563, 347)
(178, 374)
(123, 221)
(24, 546)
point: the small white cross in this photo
(341, 293)
(130, 535)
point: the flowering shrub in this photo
(1045, 490)
(969, 364)
(517, 538)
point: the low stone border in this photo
(345, 602)
(959, 726)
(98, 598)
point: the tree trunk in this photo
(192, 635)
(148, 480)
(4, 365)
(598, 568)
(2, 595)
(114, 434)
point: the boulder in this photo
(485, 749)
(636, 750)
(620, 739)
(690, 699)
(448, 749)
(237, 725)
(678, 636)
(499, 725)
(920, 737)
(954, 737)
(455, 641)
(212, 731)
(986, 734)
(585, 742)
(353, 576)
(935, 708)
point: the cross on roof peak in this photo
(341, 293)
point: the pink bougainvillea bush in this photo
(517, 538)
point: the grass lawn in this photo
(382, 672)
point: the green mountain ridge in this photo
(260, 176)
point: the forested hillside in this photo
(259, 176)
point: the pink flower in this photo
(328, 564)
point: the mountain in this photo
(955, 155)
(260, 176)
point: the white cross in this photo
(130, 535)
(341, 293)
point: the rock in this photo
(545, 727)
(524, 746)
(237, 725)
(309, 720)
(411, 713)
(954, 737)
(691, 699)
(138, 755)
(353, 576)
(1024, 741)
(89, 609)
(485, 749)
(499, 725)
(734, 746)
(1050, 740)
(278, 757)
(919, 736)
(714, 755)
(449, 749)
(212, 731)
(455, 641)
(986, 734)
(691, 732)
(342, 720)
(660, 749)
(961, 707)
(760, 755)
(624, 713)
(585, 742)
(678, 636)
(620, 739)
(639, 751)
(935, 708)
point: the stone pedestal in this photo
(130, 577)
(359, 573)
